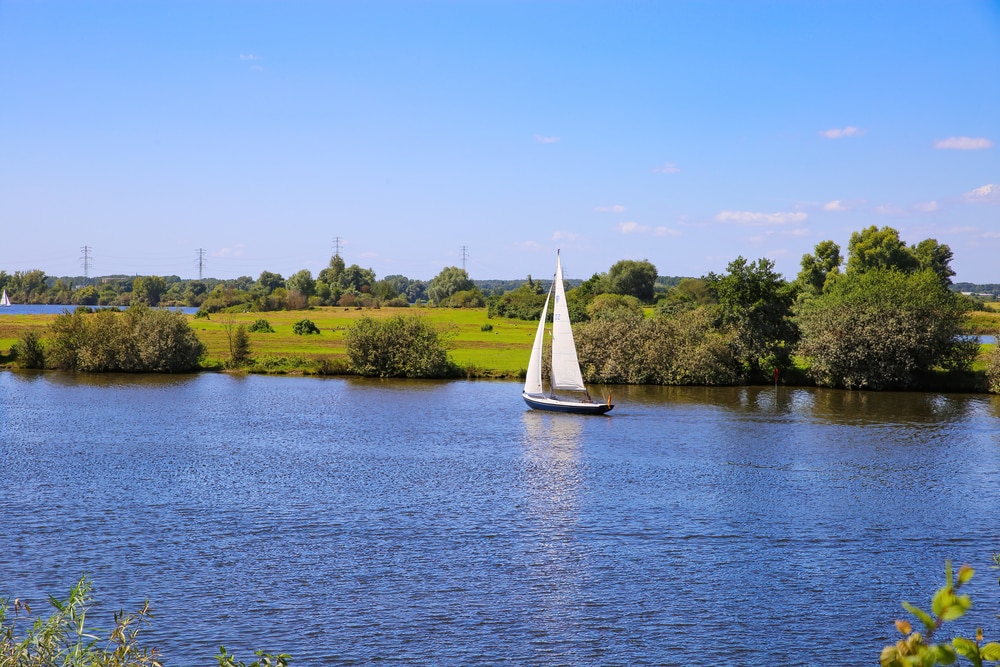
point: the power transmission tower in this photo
(201, 261)
(86, 262)
(336, 245)
(465, 255)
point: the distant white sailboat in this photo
(4, 300)
(565, 363)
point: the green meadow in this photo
(501, 352)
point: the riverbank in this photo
(479, 346)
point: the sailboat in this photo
(565, 364)
(5, 300)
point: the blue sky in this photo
(685, 133)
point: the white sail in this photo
(533, 379)
(565, 364)
(5, 300)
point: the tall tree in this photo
(879, 327)
(451, 279)
(268, 282)
(816, 268)
(629, 277)
(935, 256)
(875, 248)
(302, 281)
(755, 305)
(148, 289)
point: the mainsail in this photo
(565, 364)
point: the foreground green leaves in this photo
(916, 649)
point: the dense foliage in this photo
(138, 340)
(397, 346)
(879, 328)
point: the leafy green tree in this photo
(149, 289)
(935, 256)
(29, 286)
(875, 248)
(331, 274)
(267, 282)
(816, 268)
(398, 346)
(755, 305)
(689, 293)
(879, 328)
(357, 279)
(471, 298)
(302, 282)
(87, 296)
(451, 279)
(632, 278)
(196, 292)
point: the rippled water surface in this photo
(354, 522)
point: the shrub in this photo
(139, 340)
(29, 351)
(305, 328)
(993, 367)
(239, 346)
(879, 328)
(486, 327)
(261, 326)
(397, 347)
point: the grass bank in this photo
(501, 352)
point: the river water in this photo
(352, 522)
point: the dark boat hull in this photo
(550, 404)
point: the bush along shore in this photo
(688, 347)
(886, 318)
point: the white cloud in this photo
(964, 143)
(616, 208)
(889, 209)
(926, 207)
(565, 236)
(836, 205)
(840, 133)
(752, 218)
(235, 251)
(986, 193)
(631, 227)
(667, 168)
(545, 140)
(528, 245)
(249, 56)
(665, 231)
(991, 235)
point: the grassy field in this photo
(502, 352)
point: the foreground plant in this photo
(65, 639)
(917, 649)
